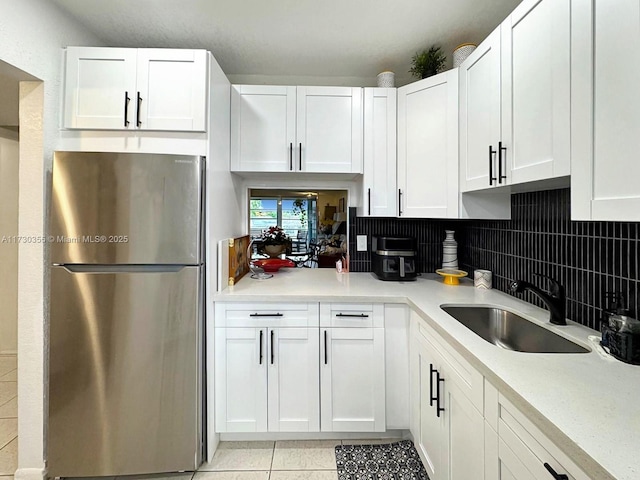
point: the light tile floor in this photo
(8, 416)
(281, 460)
(264, 460)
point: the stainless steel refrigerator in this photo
(126, 314)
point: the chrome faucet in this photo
(554, 299)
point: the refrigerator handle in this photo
(86, 268)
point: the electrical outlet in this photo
(361, 243)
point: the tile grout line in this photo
(273, 454)
(3, 404)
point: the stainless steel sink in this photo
(510, 331)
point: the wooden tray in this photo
(238, 266)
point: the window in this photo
(294, 215)
(307, 217)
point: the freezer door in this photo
(125, 208)
(123, 372)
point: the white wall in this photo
(8, 249)
(32, 33)
(224, 218)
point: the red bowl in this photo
(272, 265)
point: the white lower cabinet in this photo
(301, 368)
(266, 368)
(464, 428)
(352, 368)
(447, 427)
(267, 380)
(293, 384)
(241, 380)
(427, 427)
(524, 452)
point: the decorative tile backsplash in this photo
(588, 258)
(428, 233)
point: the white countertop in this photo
(587, 405)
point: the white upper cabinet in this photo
(100, 88)
(135, 89)
(480, 116)
(515, 100)
(263, 132)
(428, 147)
(605, 133)
(379, 180)
(536, 86)
(176, 89)
(329, 129)
(296, 129)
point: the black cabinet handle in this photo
(126, 109)
(369, 199)
(291, 156)
(352, 315)
(438, 381)
(138, 122)
(500, 149)
(431, 372)
(272, 347)
(300, 158)
(492, 152)
(266, 315)
(554, 474)
(325, 347)
(261, 335)
(399, 202)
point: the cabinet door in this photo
(465, 434)
(428, 428)
(605, 138)
(379, 180)
(241, 379)
(536, 91)
(521, 440)
(352, 380)
(428, 147)
(172, 85)
(329, 129)
(294, 380)
(480, 115)
(509, 465)
(100, 88)
(263, 128)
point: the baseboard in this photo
(30, 474)
(247, 437)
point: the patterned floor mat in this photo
(391, 461)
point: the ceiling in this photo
(349, 40)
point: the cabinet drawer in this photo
(532, 448)
(266, 315)
(347, 315)
(466, 377)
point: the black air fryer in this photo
(394, 258)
